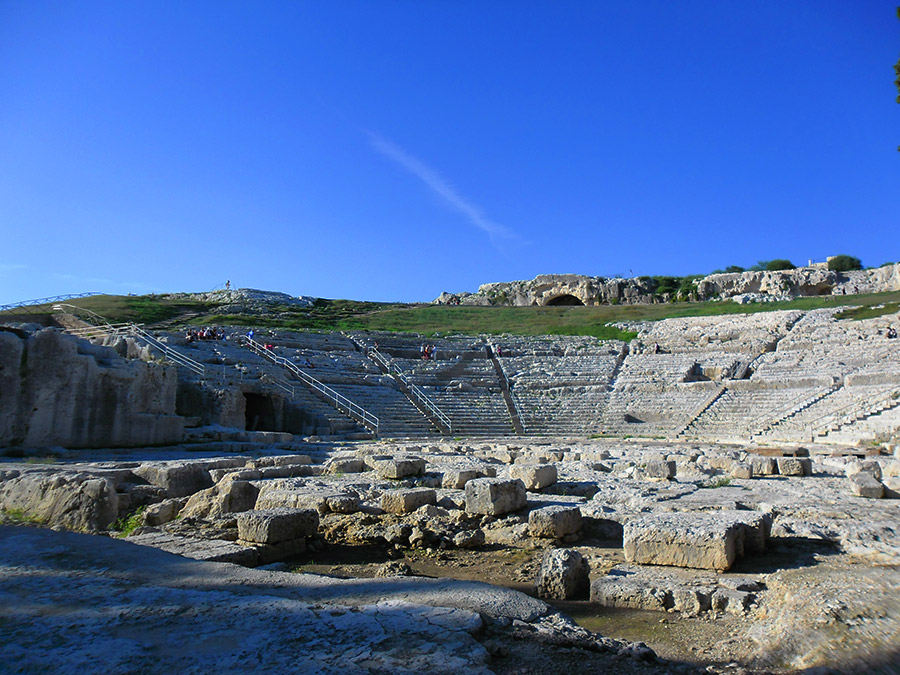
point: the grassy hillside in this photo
(431, 319)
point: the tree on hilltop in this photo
(844, 263)
(777, 265)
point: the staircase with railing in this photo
(338, 400)
(96, 326)
(515, 413)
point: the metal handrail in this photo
(512, 397)
(47, 301)
(339, 401)
(171, 353)
(788, 408)
(853, 407)
(415, 391)
(134, 330)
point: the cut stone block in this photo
(407, 501)
(707, 540)
(456, 479)
(345, 465)
(399, 468)
(342, 503)
(534, 476)
(494, 496)
(864, 484)
(658, 470)
(554, 522)
(564, 575)
(795, 466)
(622, 591)
(741, 470)
(763, 466)
(273, 526)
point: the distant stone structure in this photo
(574, 289)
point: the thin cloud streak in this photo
(443, 189)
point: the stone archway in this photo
(566, 300)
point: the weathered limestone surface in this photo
(407, 501)
(564, 575)
(399, 468)
(229, 496)
(494, 496)
(707, 540)
(534, 476)
(75, 501)
(273, 526)
(554, 522)
(59, 390)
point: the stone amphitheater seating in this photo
(802, 373)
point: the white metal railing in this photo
(415, 392)
(339, 401)
(46, 301)
(517, 411)
(106, 328)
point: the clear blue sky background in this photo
(386, 150)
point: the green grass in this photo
(431, 320)
(869, 311)
(128, 524)
(13, 516)
(721, 481)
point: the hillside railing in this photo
(338, 400)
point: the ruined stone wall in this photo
(59, 390)
(548, 289)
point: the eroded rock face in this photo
(575, 289)
(58, 390)
(564, 575)
(74, 501)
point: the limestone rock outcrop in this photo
(576, 289)
(58, 390)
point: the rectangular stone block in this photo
(407, 501)
(658, 470)
(699, 540)
(534, 476)
(494, 496)
(554, 522)
(620, 591)
(456, 479)
(795, 466)
(273, 526)
(399, 468)
(763, 466)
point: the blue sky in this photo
(387, 150)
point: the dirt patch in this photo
(696, 641)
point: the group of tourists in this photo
(891, 332)
(428, 352)
(208, 333)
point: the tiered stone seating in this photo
(563, 394)
(466, 389)
(742, 411)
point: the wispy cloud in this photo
(439, 185)
(12, 267)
